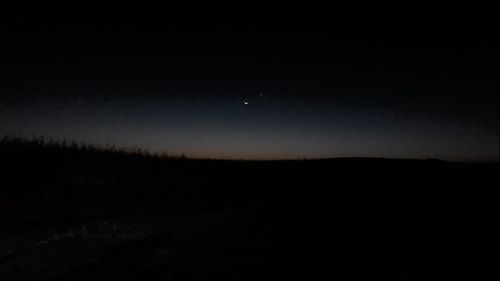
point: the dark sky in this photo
(182, 88)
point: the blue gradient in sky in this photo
(203, 125)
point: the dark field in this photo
(77, 212)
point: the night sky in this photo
(250, 91)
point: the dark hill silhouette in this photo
(350, 218)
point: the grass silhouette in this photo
(68, 175)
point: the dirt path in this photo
(236, 244)
(222, 245)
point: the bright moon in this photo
(245, 102)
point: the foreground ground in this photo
(349, 239)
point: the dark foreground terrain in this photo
(75, 212)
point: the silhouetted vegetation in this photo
(75, 176)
